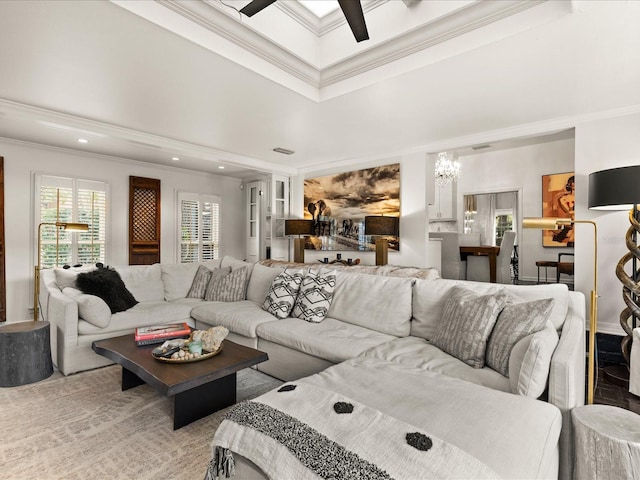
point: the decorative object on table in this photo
(25, 353)
(447, 169)
(337, 205)
(159, 333)
(298, 227)
(381, 226)
(558, 201)
(211, 339)
(617, 189)
(72, 227)
(555, 223)
(349, 261)
(182, 354)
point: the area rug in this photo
(83, 426)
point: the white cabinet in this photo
(267, 203)
(444, 206)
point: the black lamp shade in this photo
(380, 225)
(615, 188)
(298, 227)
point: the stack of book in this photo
(159, 333)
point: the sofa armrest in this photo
(567, 374)
(62, 313)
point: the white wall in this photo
(22, 160)
(518, 169)
(601, 144)
(413, 213)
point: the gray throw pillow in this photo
(314, 298)
(517, 320)
(226, 285)
(282, 293)
(200, 281)
(467, 321)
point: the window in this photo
(199, 227)
(504, 223)
(64, 199)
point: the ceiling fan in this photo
(352, 10)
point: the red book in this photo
(160, 333)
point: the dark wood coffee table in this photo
(199, 388)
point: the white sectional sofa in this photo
(379, 325)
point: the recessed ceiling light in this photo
(83, 140)
(175, 159)
(285, 151)
(221, 167)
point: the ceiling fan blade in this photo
(352, 10)
(255, 6)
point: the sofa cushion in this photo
(143, 281)
(530, 362)
(331, 339)
(315, 296)
(235, 263)
(90, 307)
(467, 321)
(419, 353)
(227, 286)
(260, 282)
(142, 315)
(379, 303)
(282, 293)
(516, 320)
(107, 284)
(241, 317)
(177, 277)
(429, 298)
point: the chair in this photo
(478, 265)
(452, 267)
(564, 267)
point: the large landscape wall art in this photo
(337, 204)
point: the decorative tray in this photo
(203, 356)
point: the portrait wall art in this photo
(338, 203)
(558, 201)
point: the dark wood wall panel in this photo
(144, 221)
(3, 291)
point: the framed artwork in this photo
(337, 204)
(558, 200)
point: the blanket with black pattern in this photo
(306, 431)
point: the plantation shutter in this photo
(199, 227)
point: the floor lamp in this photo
(381, 225)
(617, 189)
(298, 227)
(72, 227)
(554, 224)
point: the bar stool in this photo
(545, 264)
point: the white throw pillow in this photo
(530, 362)
(66, 277)
(90, 308)
(314, 297)
(283, 293)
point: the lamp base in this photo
(298, 250)
(382, 251)
(617, 374)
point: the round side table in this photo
(607, 443)
(25, 353)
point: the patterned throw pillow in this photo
(226, 285)
(314, 298)
(517, 320)
(282, 293)
(200, 281)
(467, 321)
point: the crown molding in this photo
(139, 138)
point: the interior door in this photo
(253, 219)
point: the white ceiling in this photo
(135, 89)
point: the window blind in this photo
(199, 227)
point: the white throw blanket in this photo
(301, 431)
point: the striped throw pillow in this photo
(227, 287)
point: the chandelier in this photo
(447, 170)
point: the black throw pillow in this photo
(107, 284)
